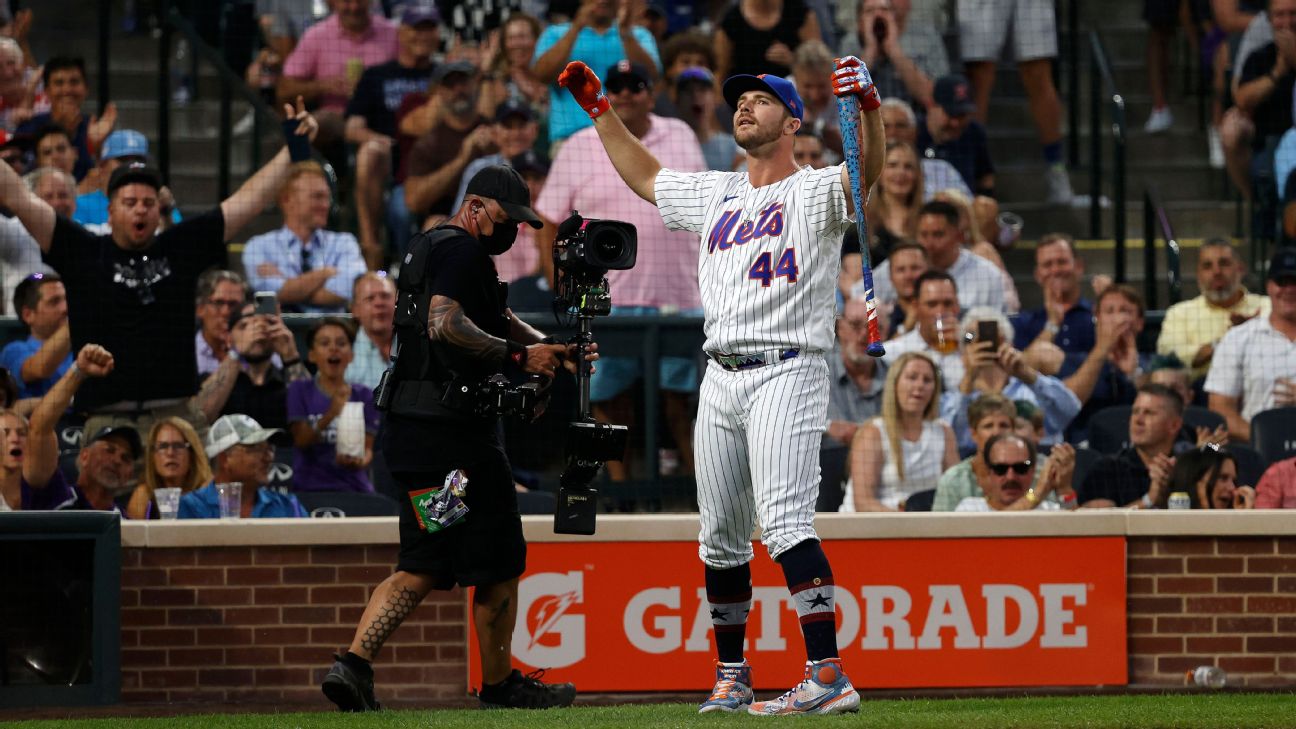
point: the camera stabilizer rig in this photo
(584, 251)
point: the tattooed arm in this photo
(448, 324)
(216, 389)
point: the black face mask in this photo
(501, 239)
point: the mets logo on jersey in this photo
(729, 232)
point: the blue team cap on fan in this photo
(781, 88)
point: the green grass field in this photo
(1181, 711)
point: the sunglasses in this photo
(1001, 469)
(618, 85)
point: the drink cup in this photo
(231, 499)
(946, 329)
(168, 501)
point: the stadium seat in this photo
(921, 501)
(1085, 458)
(1196, 416)
(1273, 434)
(1250, 464)
(322, 504)
(536, 502)
(281, 470)
(1109, 429)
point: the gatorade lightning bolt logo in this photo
(550, 634)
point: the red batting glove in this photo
(585, 87)
(852, 78)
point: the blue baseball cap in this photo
(125, 143)
(695, 74)
(781, 88)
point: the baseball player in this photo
(767, 270)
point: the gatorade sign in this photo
(633, 616)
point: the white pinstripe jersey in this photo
(769, 258)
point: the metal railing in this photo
(1156, 220)
(1072, 71)
(1102, 88)
(170, 21)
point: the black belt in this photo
(737, 362)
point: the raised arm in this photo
(92, 361)
(260, 189)
(636, 165)
(34, 213)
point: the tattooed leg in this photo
(495, 613)
(392, 602)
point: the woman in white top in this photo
(881, 481)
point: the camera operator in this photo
(453, 333)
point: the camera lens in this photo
(609, 244)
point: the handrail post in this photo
(105, 24)
(224, 140)
(1073, 83)
(1118, 185)
(1095, 147)
(1149, 252)
(164, 90)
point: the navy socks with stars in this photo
(729, 593)
(810, 580)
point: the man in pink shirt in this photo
(1277, 488)
(328, 61)
(664, 279)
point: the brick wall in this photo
(1223, 601)
(260, 624)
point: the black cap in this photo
(505, 186)
(445, 69)
(954, 94)
(125, 432)
(1283, 263)
(134, 172)
(513, 107)
(628, 71)
(530, 161)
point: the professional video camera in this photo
(584, 251)
(494, 396)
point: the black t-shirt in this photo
(750, 44)
(380, 90)
(1273, 116)
(457, 268)
(138, 304)
(969, 154)
(1121, 478)
(267, 404)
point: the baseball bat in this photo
(848, 112)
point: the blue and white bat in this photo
(848, 113)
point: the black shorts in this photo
(487, 547)
(1161, 13)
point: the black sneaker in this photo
(527, 692)
(348, 689)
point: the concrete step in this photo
(1183, 141)
(1022, 182)
(1192, 219)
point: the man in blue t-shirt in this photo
(38, 361)
(241, 451)
(598, 38)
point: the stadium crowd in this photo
(152, 360)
